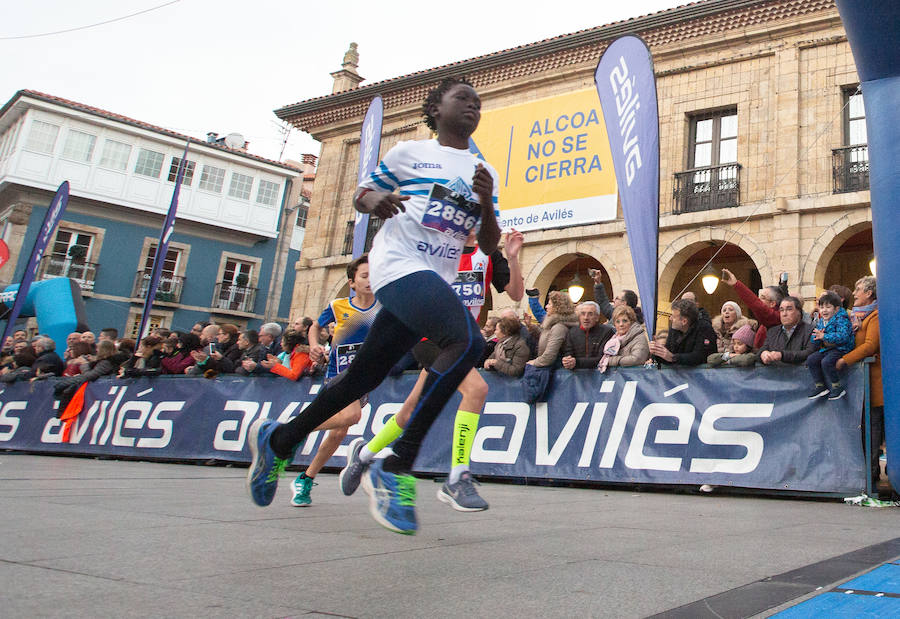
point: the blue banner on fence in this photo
(626, 86)
(751, 428)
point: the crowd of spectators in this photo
(841, 331)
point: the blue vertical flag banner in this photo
(369, 145)
(51, 220)
(872, 29)
(626, 86)
(162, 247)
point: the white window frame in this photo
(42, 137)
(241, 186)
(212, 178)
(79, 146)
(115, 155)
(267, 193)
(189, 167)
(146, 161)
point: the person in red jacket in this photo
(298, 361)
(764, 305)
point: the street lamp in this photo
(710, 279)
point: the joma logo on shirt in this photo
(431, 166)
(445, 250)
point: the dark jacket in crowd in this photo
(794, 349)
(140, 366)
(693, 346)
(606, 308)
(68, 385)
(231, 359)
(587, 346)
(48, 362)
(511, 354)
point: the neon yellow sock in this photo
(387, 435)
(464, 428)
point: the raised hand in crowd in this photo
(728, 278)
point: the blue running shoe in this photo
(265, 467)
(392, 500)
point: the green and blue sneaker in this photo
(392, 500)
(265, 467)
(302, 487)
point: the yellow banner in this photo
(553, 160)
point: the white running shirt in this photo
(441, 210)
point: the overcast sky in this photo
(223, 65)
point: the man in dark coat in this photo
(47, 361)
(583, 347)
(690, 340)
(788, 343)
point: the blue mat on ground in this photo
(884, 579)
(844, 605)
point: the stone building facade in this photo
(757, 107)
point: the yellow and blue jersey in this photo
(351, 327)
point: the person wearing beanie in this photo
(727, 323)
(741, 354)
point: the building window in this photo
(79, 146)
(170, 284)
(8, 140)
(115, 155)
(235, 291)
(850, 163)
(42, 137)
(212, 178)
(371, 230)
(713, 139)
(149, 163)
(240, 186)
(73, 245)
(170, 264)
(70, 256)
(712, 180)
(160, 320)
(188, 171)
(854, 118)
(302, 214)
(267, 193)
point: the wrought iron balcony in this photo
(168, 290)
(704, 189)
(233, 298)
(374, 227)
(850, 168)
(55, 265)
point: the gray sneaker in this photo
(353, 472)
(462, 496)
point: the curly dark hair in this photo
(434, 97)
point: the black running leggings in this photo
(415, 306)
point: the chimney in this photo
(308, 159)
(211, 137)
(347, 78)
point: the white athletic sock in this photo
(456, 472)
(366, 454)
